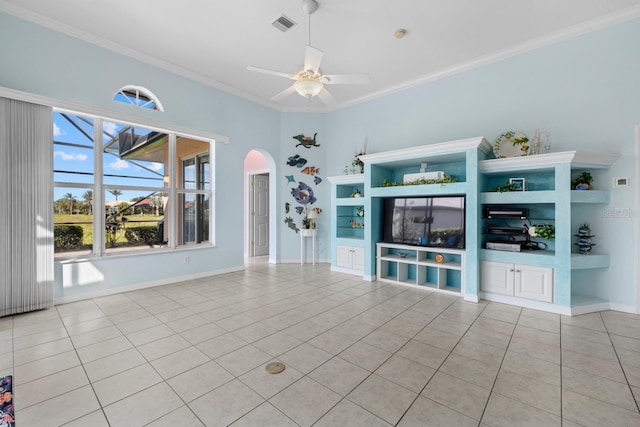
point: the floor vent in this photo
(274, 367)
(283, 23)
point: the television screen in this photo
(425, 221)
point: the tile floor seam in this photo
(493, 385)
(624, 372)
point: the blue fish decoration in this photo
(296, 161)
(292, 225)
(317, 180)
(299, 209)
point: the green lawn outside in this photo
(86, 222)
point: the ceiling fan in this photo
(310, 80)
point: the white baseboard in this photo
(138, 286)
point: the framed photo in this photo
(518, 184)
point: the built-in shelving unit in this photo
(348, 219)
(551, 278)
(550, 199)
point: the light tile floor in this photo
(357, 354)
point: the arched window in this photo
(138, 96)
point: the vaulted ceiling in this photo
(213, 41)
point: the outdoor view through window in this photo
(116, 194)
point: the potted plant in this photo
(582, 181)
(356, 193)
(546, 231)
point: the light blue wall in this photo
(40, 61)
(585, 91)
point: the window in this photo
(117, 195)
(138, 96)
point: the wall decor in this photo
(317, 180)
(517, 184)
(290, 178)
(296, 161)
(311, 170)
(292, 225)
(306, 141)
(299, 209)
(511, 144)
(303, 193)
(287, 206)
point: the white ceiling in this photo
(213, 41)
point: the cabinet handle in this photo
(511, 271)
(518, 271)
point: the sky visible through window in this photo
(74, 159)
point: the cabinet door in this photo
(497, 277)
(534, 282)
(357, 258)
(343, 256)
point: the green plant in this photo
(546, 231)
(419, 181)
(356, 193)
(584, 178)
(67, 236)
(504, 188)
(143, 234)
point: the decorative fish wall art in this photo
(303, 194)
(306, 141)
(311, 170)
(296, 161)
(292, 225)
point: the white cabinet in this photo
(350, 257)
(524, 281)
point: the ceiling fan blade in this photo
(326, 97)
(312, 58)
(345, 79)
(275, 73)
(288, 91)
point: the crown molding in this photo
(566, 34)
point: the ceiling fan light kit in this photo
(308, 87)
(310, 81)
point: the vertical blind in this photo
(26, 207)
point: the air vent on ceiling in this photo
(283, 23)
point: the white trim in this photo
(429, 149)
(140, 90)
(624, 308)
(129, 288)
(565, 34)
(90, 111)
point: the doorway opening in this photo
(260, 227)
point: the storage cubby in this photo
(434, 268)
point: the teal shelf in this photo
(350, 201)
(420, 190)
(583, 262)
(590, 196)
(542, 258)
(518, 197)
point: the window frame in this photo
(172, 189)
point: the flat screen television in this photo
(436, 221)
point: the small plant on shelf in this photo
(545, 231)
(582, 181)
(504, 188)
(356, 193)
(419, 181)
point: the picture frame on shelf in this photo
(517, 184)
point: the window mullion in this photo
(172, 205)
(98, 189)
